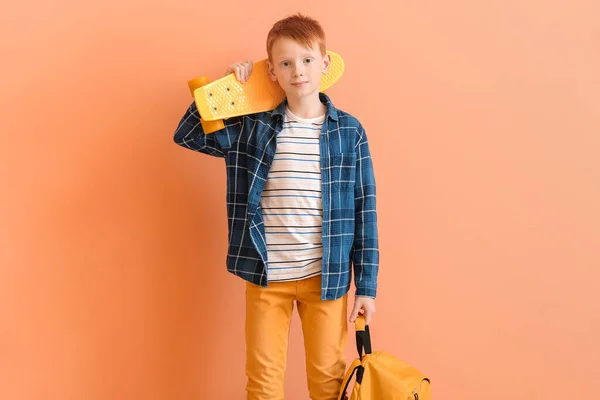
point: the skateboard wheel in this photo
(212, 126)
(198, 83)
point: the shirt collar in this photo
(331, 111)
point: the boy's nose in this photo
(299, 70)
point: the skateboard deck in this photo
(227, 97)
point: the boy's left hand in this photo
(364, 306)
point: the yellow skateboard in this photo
(227, 97)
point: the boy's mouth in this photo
(299, 83)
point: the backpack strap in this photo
(351, 370)
(363, 336)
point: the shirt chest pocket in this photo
(341, 170)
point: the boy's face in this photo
(297, 69)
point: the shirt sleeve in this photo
(365, 251)
(189, 134)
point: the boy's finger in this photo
(368, 317)
(355, 311)
(240, 69)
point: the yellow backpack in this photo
(381, 376)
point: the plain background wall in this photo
(484, 123)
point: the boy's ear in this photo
(271, 71)
(326, 63)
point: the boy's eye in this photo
(308, 60)
(285, 64)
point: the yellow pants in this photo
(324, 326)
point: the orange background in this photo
(484, 123)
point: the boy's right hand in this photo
(242, 70)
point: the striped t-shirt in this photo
(291, 202)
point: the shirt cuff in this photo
(366, 292)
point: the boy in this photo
(301, 208)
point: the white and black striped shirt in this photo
(291, 201)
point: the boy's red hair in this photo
(301, 28)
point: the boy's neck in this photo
(306, 107)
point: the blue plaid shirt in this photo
(349, 228)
